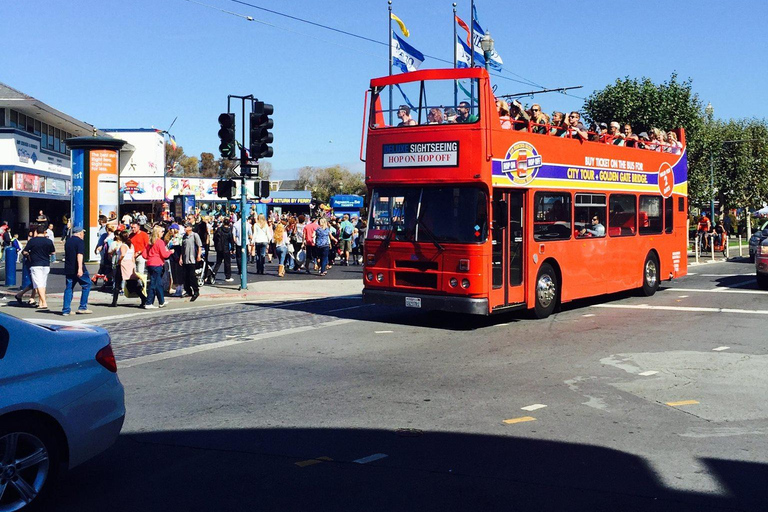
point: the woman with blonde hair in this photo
(281, 247)
(503, 108)
(262, 235)
(675, 146)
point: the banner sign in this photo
(421, 154)
(28, 182)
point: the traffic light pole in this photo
(243, 231)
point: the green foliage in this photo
(209, 168)
(327, 181)
(644, 105)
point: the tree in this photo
(190, 166)
(209, 168)
(325, 182)
(644, 105)
(265, 170)
(172, 158)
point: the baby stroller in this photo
(204, 272)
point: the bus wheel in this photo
(650, 275)
(546, 291)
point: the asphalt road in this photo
(617, 403)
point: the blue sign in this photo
(78, 188)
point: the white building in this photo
(35, 168)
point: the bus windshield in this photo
(457, 214)
(426, 102)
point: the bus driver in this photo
(596, 230)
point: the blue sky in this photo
(141, 63)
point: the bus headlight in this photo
(380, 277)
(369, 276)
(453, 282)
(465, 283)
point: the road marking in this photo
(720, 349)
(683, 296)
(312, 462)
(725, 275)
(383, 332)
(152, 358)
(350, 307)
(689, 309)
(588, 315)
(648, 373)
(533, 407)
(718, 290)
(519, 420)
(682, 402)
(370, 458)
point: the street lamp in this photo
(486, 43)
(710, 111)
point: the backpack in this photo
(348, 230)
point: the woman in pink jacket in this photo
(157, 253)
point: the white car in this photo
(61, 403)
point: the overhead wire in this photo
(524, 81)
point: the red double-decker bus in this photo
(471, 216)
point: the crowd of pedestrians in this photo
(148, 261)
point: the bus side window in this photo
(588, 207)
(651, 221)
(668, 216)
(622, 220)
(552, 216)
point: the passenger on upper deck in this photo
(675, 146)
(464, 115)
(404, 113)
(520, 117)
(450, 115)
(616, 138)
(538, 118)
(503, 108)
(435, 116)
(576, 128)
(559, 126)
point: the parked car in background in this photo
(61, 403)
(761, 264)
(756, 239)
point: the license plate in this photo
(413, 302)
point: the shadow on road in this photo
(315, 469)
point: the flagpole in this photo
(472, 53)
(389, 39)
(455, 58)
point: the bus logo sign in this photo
(521, 164)
(666, 180)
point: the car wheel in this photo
(547, 291)
(30, 464)
(650, 275)
(762, 281)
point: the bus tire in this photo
(547, 291)
(650, 275)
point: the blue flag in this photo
(495, 61)
(464, 54)
(405, 56)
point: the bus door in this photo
(507, 249)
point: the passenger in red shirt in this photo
(309, 243)
(139, 241)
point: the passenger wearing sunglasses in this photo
(597, 229)
(576, 128)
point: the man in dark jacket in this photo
(224, 245)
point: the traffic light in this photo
(261, 137)
(261, 189)
(226, 188)
(228, 146)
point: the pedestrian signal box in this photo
(226, 188)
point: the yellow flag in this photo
(402, 25)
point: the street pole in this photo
(711, 186)
(243, 232)
(389, 43)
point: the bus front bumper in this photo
(424, 302)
